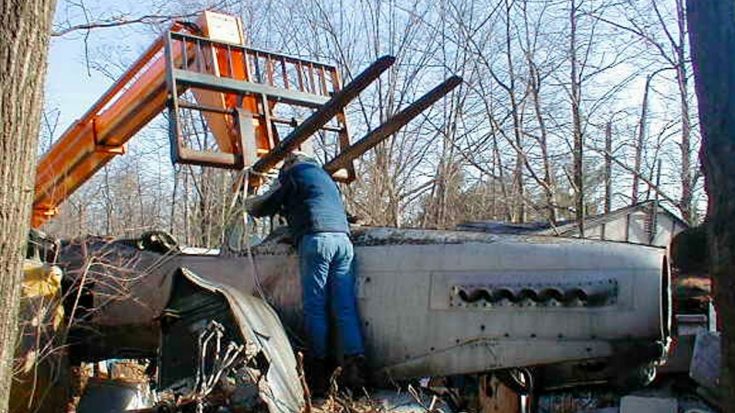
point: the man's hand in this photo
(254, 204)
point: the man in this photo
(310, 200)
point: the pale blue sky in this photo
(70, 88)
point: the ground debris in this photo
(408, 400)
(339, 404)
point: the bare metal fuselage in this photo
(431, 302)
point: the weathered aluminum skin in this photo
(450, 302)
(259, 324)
(114, 396)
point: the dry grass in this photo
(336, 400)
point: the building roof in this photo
(500, 227)
(571, 227)
(564, 227)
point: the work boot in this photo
(317, 377)
(355, 372)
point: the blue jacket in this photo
(309, 199)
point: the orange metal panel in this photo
(223, 127)
(230, 63)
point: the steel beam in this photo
(320, 118)
(224, 84)
(391, 125)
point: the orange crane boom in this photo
(94, 139)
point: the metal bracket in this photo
(104, 148)
(247, 136)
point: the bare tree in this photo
(666, 32)
(519, 210)
(576, 101)
(678, 44)
(608, 168)
(535, 80)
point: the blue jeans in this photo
(328, 284)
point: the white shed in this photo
(646, 222)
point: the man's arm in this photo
(270, 202)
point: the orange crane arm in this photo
(94, 139)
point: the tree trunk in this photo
(608, 168)
(685, 203)
(576, 98)
(640, 141)
(712, 40)
(24, 36)
(548, 182)
(519, 205)
(498, 163)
